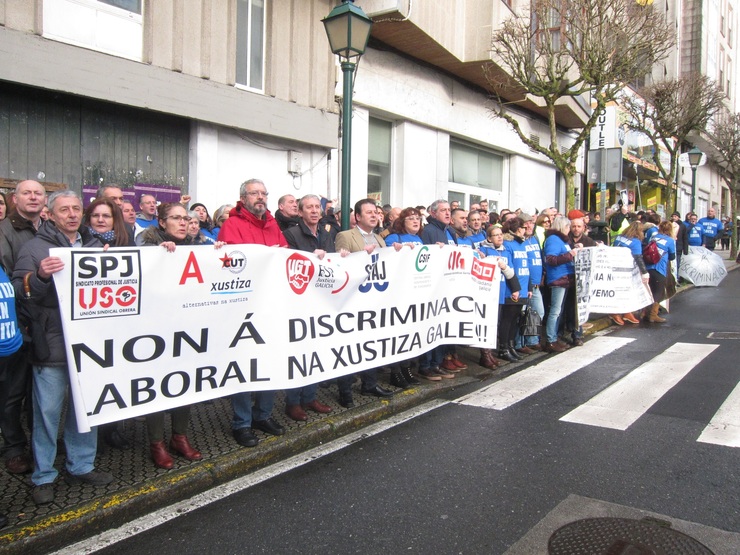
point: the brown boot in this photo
(653, 317)
(160, 456)
(180, 444)
(487, 360)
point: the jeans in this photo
(50, 385)
(244, 413)
(433, 357)
(557, 298)
(301, 395)
(538, 305)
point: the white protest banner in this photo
(147, 330)
(608, 282)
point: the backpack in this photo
(651, 253)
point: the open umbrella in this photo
(702, 267)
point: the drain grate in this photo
(621, 536)
(724, 335)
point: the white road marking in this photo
(518, 387)
(622, 403)
(724, 428)
(166, 514)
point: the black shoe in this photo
(409, 377)
(504, 354)
(269, 426)
(577, 342)
(43, 494)
(245, 437)
(3, 520)
(514, 354)
(346, 401)
(114, 438)
(398, 380)
(93, 478)
(376, 391)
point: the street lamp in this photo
(348, 30)
(695, 156)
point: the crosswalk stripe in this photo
(518, 387)
(724, 428)
(622, 403)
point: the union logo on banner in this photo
(299, 270)
(106, 285)
(483, 271)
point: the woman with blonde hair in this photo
(631, 238)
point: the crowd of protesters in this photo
(535, 254)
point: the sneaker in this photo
(93, 478)
(443, 373)
(617, 319)
(629, 317)
(43, 494)
(429, 374)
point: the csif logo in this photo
(422, 259)
(456, 261)
(299, 270)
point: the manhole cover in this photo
(724, 335)
(621, 536)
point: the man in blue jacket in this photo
(712, 228)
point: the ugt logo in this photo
(376, 276)
(456, 261)
(300, 271)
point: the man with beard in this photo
(250, 222)
(711, 229)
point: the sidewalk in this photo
(82, 511)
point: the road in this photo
(634, 420)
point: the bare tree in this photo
(724, 136)
(561, 51)
(666, 113)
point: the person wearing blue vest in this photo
(560, 272)
(10, 342)
(514, 239)
(476, 233)
(529, 344)
(711, 228)
(632, 238)
(659, 272)
(509, 291)
(694, 231)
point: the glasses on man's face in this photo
(258, 194)
(179, 219)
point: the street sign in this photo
(683, 160)
(611, 173)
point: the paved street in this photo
(644, 418)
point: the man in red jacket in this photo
(251, 222)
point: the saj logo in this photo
(376, 276)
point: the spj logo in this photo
(422, 259)
(299, 270)
(376, 276)
(105, 284)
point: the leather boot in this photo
(504, 354)
(512, 351)
(487, 360)
(408, 376)
(180, 444)
(160, 456)
(653, 317)
(398, 380)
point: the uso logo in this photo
(105, 284)
(299, 270)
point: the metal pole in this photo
(348, 69)
(693, 188)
